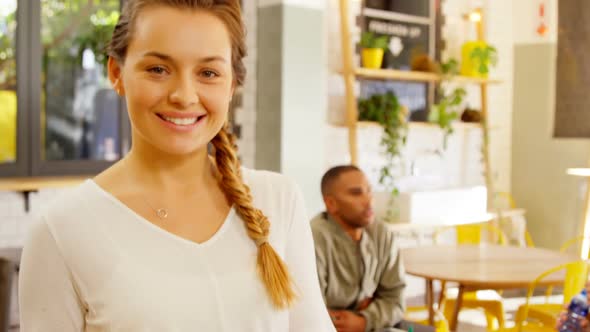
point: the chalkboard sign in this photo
(406, 39)
(410, 26)
(409, 7)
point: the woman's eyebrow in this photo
(169, 58)
(158, 55)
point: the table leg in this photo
(430, 301)
(455, 319)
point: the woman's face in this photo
(176, 77)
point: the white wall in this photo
(553, 199)
(526, 20)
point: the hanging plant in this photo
(386, 110)
(448, 107)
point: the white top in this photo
(92, 264)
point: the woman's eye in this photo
(157, 70)
(209, 74)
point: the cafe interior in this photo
(466, 116)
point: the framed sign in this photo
(411, 28)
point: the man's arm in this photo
(322, 266)
(387, 306)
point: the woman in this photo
(171, 238)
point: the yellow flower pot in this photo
(469, 67)
(8, 126)
(372, 57)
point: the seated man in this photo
(359, 265)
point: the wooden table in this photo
(480, 267)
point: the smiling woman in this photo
(169, 238)
(170, 83)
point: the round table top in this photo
(484, 266)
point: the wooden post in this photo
(349, 79)
(488, 174)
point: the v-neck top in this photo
(93, 264)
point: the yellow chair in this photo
(569, 243)
(544, 315)
(565, 247)
(440, 322)
(529, 239)
(488, 300)
(510, 203)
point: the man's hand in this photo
(347, 321)
(364, 304)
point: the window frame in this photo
(21, 167)
(29, 55)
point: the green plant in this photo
(446, 111)
(448, 107)
(450, 67)
(386, 110)
(483, 57)
(371, 40)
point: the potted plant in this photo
(372, 49)
(386, 110)
(447, 109)
(477, 57)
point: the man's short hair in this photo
(333, 173)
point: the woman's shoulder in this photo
(268, 181)
(271, 191)
(71, 207)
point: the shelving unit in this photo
(351, 73)
(413, 124)
(32, 184)
(417, 76)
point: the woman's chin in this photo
(182, 150)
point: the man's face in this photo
(350, 199)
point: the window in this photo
(8, 96)
(72, 122)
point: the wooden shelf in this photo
(35, 183)
(412, 124)
(417, 76)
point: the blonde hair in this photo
(271, 269)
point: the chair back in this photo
(576, 275)
(581, 245)
(472, 233)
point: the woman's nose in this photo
(184, 93)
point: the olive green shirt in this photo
(350, 272)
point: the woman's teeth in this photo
(180, 121)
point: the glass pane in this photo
(7, 81)
(80, 111)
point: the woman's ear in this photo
(114, 71)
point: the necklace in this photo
(162, 213)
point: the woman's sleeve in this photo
(309, 312)
(48, 298)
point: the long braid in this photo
(271, 268)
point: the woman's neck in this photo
(167, 172)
